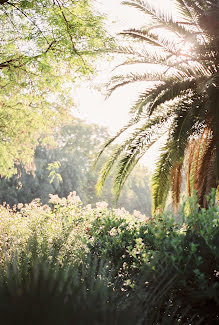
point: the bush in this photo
(101, 266)
(187, 251)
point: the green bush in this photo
(188, 251)
(100, 266)
(36, 291)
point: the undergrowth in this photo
(69, 264)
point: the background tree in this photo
(70, 165)
(45, 46)
(179, 57)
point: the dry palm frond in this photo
(190, 151)
(176, 181)
(204, 178)
(200, 169)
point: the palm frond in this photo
(131, 150)
(155, 121)
(191, 66)
(145, 52)
(132, 122)
(193, 12)
(151, 76)
(144, 60)
(159, 94)
(161, 19)
(121, 80)
(161, 181)
(162, 42)
(140, 105)
(170, 159)
(164, 92)
(148, 9)
(196, 69)
(133, 153)
(189, 14)
(196, 6)
(176, 181)
(189, 156)
(204, 175)
(107, 168)
(170, 90)
(187, 119)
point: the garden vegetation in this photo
(66, 263)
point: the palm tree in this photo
(179, 58)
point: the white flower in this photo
(101, 205)
(113, 232)
(73, 198)
(88, 207)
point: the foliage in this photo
(45, 47)
(68, 167)
(177, 56)
(49, 294)
(52, 229)
(186, 251)
(107, 266)
(45, 273)
(53, 168)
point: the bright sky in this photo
(89, 97)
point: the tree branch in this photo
(12, 62)
(69, 32)
(29, 18)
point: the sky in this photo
(89, 96)
(92, 104)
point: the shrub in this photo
(187, 250)
(101, 266)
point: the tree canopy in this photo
(45, 46)
(178, 54)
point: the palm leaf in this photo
(184, 125)
(176, 181)
(121, 80)
(203, 164)
(130, 158)
(107, 168)
(160, 18)
(189, 156)
(169, 91)
(132, 150)
(132, 122)
(151, 39)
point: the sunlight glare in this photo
(114, 112)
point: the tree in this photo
(69, 167)
(45, 46)
(179, 58)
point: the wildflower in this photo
(20, 205)
(73, 198)
(102, 205)
(113, 232)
